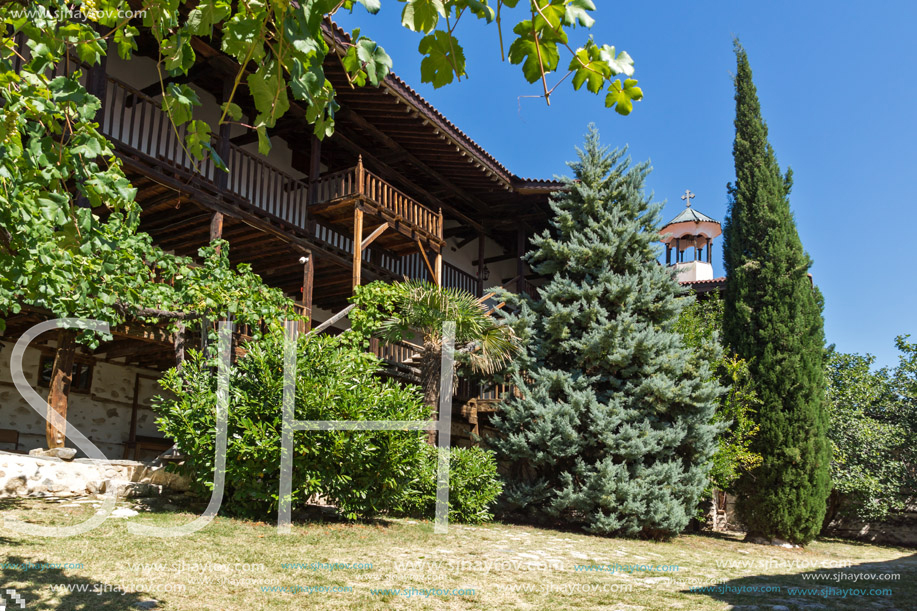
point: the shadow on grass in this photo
(61, 589)
(890, 584)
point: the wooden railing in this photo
(358, 181)
(266, 187)
(136, 120)
(453, 277)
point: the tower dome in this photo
(690, 237)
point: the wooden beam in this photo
(308, 279)
(357, 239)
(426, 259)
(520, 252)
(61, 376)
(481, 263)
(216, 227)
(375, 234)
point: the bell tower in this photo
(688, 240)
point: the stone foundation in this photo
(44, 476)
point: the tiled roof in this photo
(397, 84)
(719, 280)
(690, 215)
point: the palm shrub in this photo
(613, 429)
(362, 473)
(483, 345)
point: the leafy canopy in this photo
(69, 238)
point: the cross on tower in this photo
(688, 196)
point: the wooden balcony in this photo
(334, 196)
(358, 202)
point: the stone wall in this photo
(103, 414)
(898, 529)
(41, 476)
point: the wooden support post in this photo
(426, 260)
(480, 263)
(61, 376)
(221, 178)
(668, 254)
(360, 175)
(357, 241)
(709, 246)
(438, 268)
(179, 345)
(520, 264)
(132, 432)
(315, 167)
(308, 274)
(216, 227)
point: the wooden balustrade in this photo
(453, 277)
(136, 120)
(357, 181)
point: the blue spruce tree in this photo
(613, 429)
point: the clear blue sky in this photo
(838, 89)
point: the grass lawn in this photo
(233, 564)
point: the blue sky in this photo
(837, 87)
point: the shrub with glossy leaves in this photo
(473, 486)
(360, 472)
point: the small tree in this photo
(613, 429)
(700, 324)
(874, 466)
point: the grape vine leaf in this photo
(444, 58)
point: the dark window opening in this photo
(81, 382)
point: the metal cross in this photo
(688, 196)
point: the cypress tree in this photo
(773, 319)
(612, 429)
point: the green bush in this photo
(361, 472)
(473, 486)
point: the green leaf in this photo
(178, 54)
(232, 109)
(372, 6)
(269, 90)
(203, 17)
(524, 51)
(422, 15)
(577, 11)
(197, 136)
(125, 39)
(264, 142)
(375, 60)
(179, 101)
(239, 33)
(623, 97)
(444, 58)
(589, 67)
(306, 84)
(620, 64)
(479, 9)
